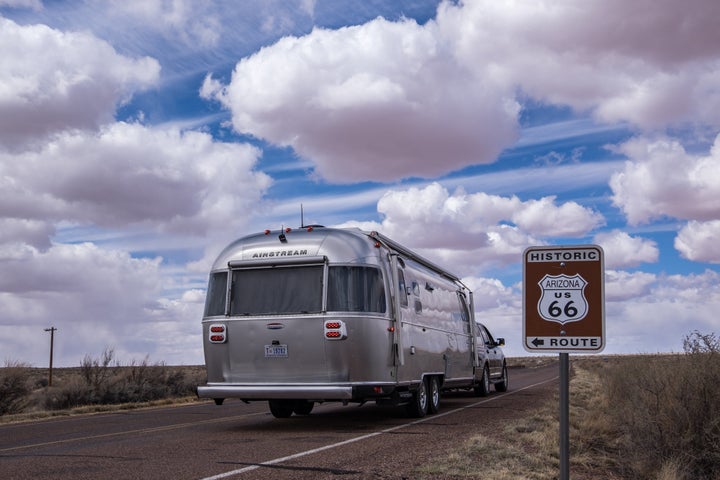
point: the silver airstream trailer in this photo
(298, 317)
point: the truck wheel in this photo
(418, 406)
(303, 407)
(483, 388)
(502, 385)
(281, 408)
(433, 395)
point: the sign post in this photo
(564, 312)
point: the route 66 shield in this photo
(563, 298)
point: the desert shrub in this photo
(144, 382)
(104, 381)
(667, 408)
(97, 371)
(74, 392)
(14, 387)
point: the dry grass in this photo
(525, 448)
(482, 454)
(641, 417)
(667, 411)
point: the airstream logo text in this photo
(280, 253)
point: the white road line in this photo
(369, 435)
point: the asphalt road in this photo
(241, 441)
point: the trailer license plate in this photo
(276, 351)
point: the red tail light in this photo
(335, 330)
(217, 333)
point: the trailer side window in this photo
(464, 313)
(270, 291)
(216, 294)
(355, 289)
(402, 289)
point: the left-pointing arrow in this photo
(537, 342)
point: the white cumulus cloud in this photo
(700, 241)
(624, 251)
(130, 174)
(379, 101)
(53, 81)
(489, 229)
(662, 179)
(608, 56)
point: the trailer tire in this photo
(483, 388)
(281, 408)
(303, 407)
(418, 406)
(433, 395)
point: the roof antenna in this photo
(302, 217)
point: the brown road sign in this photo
(564, 299)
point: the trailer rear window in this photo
(216, 293)
(355, 289)
(275, 291)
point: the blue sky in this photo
(137, 138)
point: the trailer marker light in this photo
(217, 328)
(332, 334)
(377, 389)
(332, 325)
(391, 329)
(267, 232)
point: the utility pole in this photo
(52, 342)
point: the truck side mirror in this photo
(500, 342)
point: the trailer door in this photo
(468, 326)
(400, 305)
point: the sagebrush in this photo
(97, 381)
(14, 387)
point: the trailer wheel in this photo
(483, 388)
(433, 395)
(281, 408)
(303, 407)
(418, 406)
